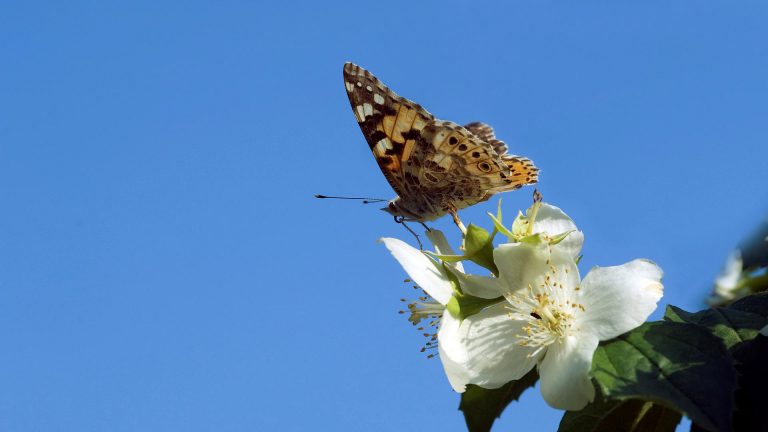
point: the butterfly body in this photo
(436, 167)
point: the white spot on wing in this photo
(383, 145)
(349, 86)
(369, 88)
(368, 109)
(379, 99)
(360, 113)
(359, 84)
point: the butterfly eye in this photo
(452, 140)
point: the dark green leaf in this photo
(620, 415)
(478, 248)
(752, 394)
(482, 407)
(756, 304)
(681, 365)
(731, 325)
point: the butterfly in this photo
(436, 167)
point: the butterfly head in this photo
(397, 209)
(392, 208)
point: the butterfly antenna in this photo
(365, 200)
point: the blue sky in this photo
(165, 267)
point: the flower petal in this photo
(453, 356)
(442, 247)
(427, 274)
(524, 264)
(480, 286)
(553, 221)
(727, 280)
(482, 349)
(564, 373)
(620, 298)
(520, 264)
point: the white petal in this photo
(442, 247)
(564, 373)
(731, 272)
(453, 356)
(422, 270)
(482, 349)
(523, 264)
(618, 299)
(553, 221)
(520, 264)
(728, 279)
(480, 286)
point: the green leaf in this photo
(756, 303)
(478, 248)
(732, 326)
(629, 415)
(752, 394)
(482, 407)
(750, 358)
(680, 365)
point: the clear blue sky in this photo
(163, 265)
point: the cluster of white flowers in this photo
(537, 312)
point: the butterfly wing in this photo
(460, 169)
(434, 166)
(522, 169)
(485, 132)
(389, 122)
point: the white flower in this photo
(432, 277)
(726, 287)
(550, 319)
(553, 320)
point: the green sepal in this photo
(469, 305)
(560, 237)
(461, 304)
(501, 228)
(454, 308)
(478, 247)
(447, 258)
(534, 239)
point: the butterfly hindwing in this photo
(485, 132)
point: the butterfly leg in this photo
(457, 221)
(425, 226)
(401, 221)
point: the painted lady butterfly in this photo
(436, 167)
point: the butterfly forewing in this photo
(389, 122)
(434, 166)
